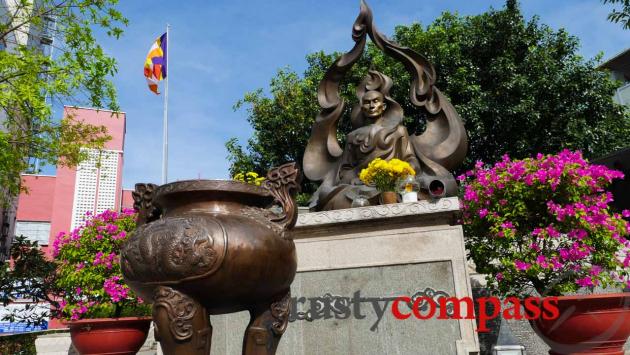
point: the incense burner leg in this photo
(268, 322)
(182, 325)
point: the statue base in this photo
(353, 264)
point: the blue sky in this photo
(220, 50)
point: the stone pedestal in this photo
(352, 264)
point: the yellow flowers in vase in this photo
(249, 177)
(384, 174)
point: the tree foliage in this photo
(33, 79)
(620, 15)
(31, 276)
(520, 87)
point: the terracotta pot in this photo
(389, 197)
(590, 324)
(120, 336)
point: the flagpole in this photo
(165, 137)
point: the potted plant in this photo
(384, 175)
(544, 225)
(103, 314)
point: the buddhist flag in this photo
(155, 65)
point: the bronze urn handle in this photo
(143, 203)
(283, 182)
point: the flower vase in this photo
(410, 196)
(389, 197)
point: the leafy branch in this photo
(620, 15)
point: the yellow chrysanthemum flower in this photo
(384, 174)
(249, 177)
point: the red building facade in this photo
(54, 204)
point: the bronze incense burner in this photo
(206, 247)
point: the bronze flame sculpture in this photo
(207, 247)
(378, 129)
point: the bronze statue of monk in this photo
(378, 130)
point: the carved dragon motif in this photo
(180, 308)
(283, 182)
(143, 203)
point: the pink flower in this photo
(98, 258)
(578, 234)
(470, 194)
(483, 212)
(522, 266)
(595, 270)
(542, 261)
(564, 254)
(529, 180)
(115, 290)
(552, 232)
(585, 282)
(119, 236)
(556, 264)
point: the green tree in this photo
(32, 81)
(31, 277)
(520, 87)
(620, 15)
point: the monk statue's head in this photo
(373, 104)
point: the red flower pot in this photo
(109, 336)
(590, 324)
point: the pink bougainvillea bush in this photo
(88, 269)
(545, 224)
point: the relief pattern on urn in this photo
(175, 250)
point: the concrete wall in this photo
(622, 95)
(127, 199)
(36, 203)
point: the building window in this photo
(34, 231)
(95, 187)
